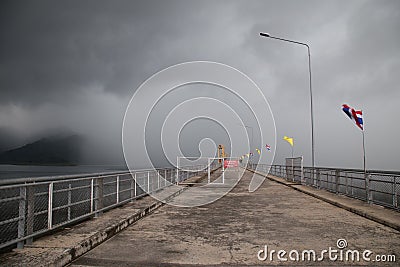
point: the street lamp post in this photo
(251, 142)
(251, 145)
(311, 98)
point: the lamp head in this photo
(264, 34)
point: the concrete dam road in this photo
(234, 229)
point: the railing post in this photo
(223, 170)
(318, 179)
(133, 187)
(50, 207)
(70, 200)
(367, 188)
(117, 189)
(158, 180)
(21, 213)
(30, 212)
(99, 196)
(136, 184)
(394, 191)
(91, 196)
(351, 186)
(313, 180)
(148, 181)
(165, 177)
(177, 171)
(337, 175)
(209, 170)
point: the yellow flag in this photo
(288, 139)
(258, 151)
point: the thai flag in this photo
(355, 115)
(268, 147)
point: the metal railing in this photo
(34, 206)
(378, 187)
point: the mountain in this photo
(8, 139)
(55, 150)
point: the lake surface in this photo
(27, 171)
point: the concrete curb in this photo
(102, 235)
(359, 212)
(99, 237)
(353, 210)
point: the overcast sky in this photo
(74, 65)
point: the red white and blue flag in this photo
(268, 147)
(355, 115)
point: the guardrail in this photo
(378, 187)
(34, 206)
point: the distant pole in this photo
(177, 169)
(251, 145)
(311, 97)
(251, 142)
(364, 158)
(292, 151)
(366, 177)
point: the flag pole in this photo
(366, 177)
(364, 157)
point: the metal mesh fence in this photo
(32, 207)
(379, 187)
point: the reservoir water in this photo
(27, 171)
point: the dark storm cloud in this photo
(75, 64)
(366, 59)
(52, 49)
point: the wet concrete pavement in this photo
(233, 230)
